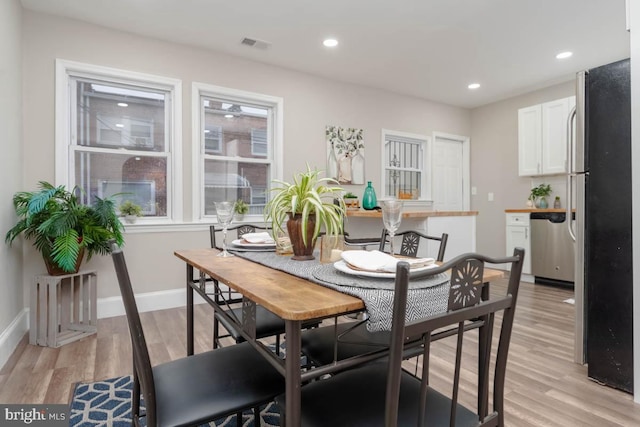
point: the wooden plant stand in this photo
(63, 308)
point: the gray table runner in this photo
(426, 297)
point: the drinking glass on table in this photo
(224, 211)
(391, 217)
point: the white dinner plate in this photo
(242, 244)
(344, 267)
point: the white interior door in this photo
(450, 173)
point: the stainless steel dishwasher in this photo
(552, 249)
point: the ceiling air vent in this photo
(260, 44)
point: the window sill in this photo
(167, 226)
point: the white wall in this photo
(11, 278)
(310, 103)
(494, 165)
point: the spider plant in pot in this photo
(62, 228)
(307, 205)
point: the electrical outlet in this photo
(474, 191)
(490, 197)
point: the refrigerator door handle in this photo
(570, 170)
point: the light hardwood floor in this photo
(543, 387)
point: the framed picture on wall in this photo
(345, 154)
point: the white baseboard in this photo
(11, 336)
(151, 301)
(527, 278)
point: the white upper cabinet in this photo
(529, 140)
(542, 137)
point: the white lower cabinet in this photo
(519, 235)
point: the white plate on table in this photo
(345, 268)
(243, 244)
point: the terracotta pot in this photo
(301, 252)
(54, 270)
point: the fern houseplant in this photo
(62, 228)
(307, 205)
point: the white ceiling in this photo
(425, 48)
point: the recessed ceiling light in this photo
(330, 42)
(122, 104)
(564, 55)
(474, 86)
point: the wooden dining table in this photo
(291, 298)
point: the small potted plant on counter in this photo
(351, 201)
(130, 211)
(240, 209)
(539, 195)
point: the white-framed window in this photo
(116, 135)
(249, 154)
(405, 166)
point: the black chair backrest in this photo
(411, 242)
(465, 305)
(237, 230)
(141, 361)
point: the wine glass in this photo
(391, 216)
(224, 211)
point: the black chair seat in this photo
(318, 344)
(267, 323)
(360, 401)
(223, 381)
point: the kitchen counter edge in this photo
(410, 214)
(529, 210)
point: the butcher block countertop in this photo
(361, 213)
(529, 210)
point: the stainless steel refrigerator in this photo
(599, 187)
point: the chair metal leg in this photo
(257, 420)
(135, 397)
(239, 419)
(278, 344)
(216, 333)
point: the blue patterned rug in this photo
(108, 403)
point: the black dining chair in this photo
(196, 389)
(411, 241)
(385, 394)
(349, 339)
(267, 323)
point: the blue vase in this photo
(542, 203)
(369, 200)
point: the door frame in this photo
(466, 163)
